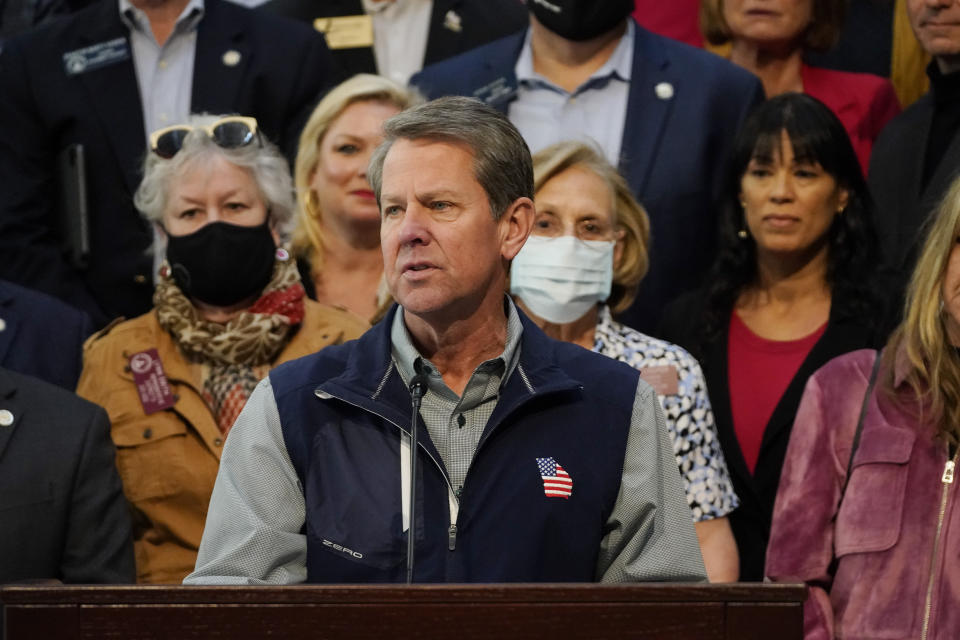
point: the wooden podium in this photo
(461, 612)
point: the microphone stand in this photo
(418, 387)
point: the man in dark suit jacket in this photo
(41, 336)
(455, 26)
(74, 81)
(683, 109)
(63, 515)
(918, 154)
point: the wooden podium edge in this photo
(433, 593)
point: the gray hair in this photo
(263, 160)
(501, 158)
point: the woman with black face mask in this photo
(228, 306)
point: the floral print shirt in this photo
(687, 410)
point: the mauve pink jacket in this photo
(888, 565)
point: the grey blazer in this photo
(63, 514)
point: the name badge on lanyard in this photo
(96, 56)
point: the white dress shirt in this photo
(400, 30)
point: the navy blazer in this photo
(281, 68)
(477, 22)
(41, 336)
(673, 153)
(63, 514)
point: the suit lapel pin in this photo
(3, 324)
(452, 21)
(231, 58)
(6, 418)
(664, 90)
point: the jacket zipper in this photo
(451, 496)
(946, 480)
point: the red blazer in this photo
(863, 102)
(678, 19)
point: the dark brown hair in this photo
(823, 32)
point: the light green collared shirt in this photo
(455, 423)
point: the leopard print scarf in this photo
(236, 355)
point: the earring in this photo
(742, 234)
(312, 203)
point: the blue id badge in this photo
(96, 56)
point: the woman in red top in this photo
(790, 289)
(769, 37)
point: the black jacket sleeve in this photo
(97, 543)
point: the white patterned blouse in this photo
(686, 407)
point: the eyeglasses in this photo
(229, 133)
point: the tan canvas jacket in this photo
(168, 460)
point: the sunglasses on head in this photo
(229, 133)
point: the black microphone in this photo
(418, 388)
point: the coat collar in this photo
(112, 90)
(901, 366)
(829, 84)
(442, 34)
(943, 175)
(916, 201)
(222, 57)
(370, 377)
(221, 60)
(371, 380)
(498, 80)
(642, 135)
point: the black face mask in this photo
(222, 264)
(580, 19)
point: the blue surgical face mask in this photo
(559, 279)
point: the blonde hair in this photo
(908, 60)
(826, 22)
(363, 87)
(629, 215)
(922, 337)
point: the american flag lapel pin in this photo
(557, 483)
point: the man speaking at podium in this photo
(539, 461)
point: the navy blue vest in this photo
(342, 411)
